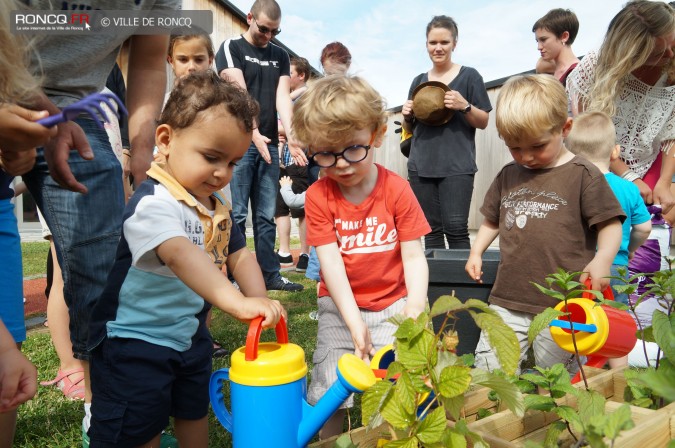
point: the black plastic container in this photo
(447, 274)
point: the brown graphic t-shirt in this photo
(546, 221)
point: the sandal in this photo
(71, 390)
(219, 351)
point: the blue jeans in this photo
(256, 180)
(445, 202)
(86, 227)
(614, 272)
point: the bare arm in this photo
(416, 272)
(487, 233)
(341, 293)
(285, 111)
(609, 241)
(246, 271)
(145, 92)
(662, 194)
(638, 235)
(194, 267)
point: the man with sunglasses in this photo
(263, 69)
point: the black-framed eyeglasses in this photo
(352, 154)
(264, 30)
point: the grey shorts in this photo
(334, 340)
(546, 351)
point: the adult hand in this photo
(663, 196)
(407, 110)
(454, 100)
(69, 136)
(298, 154)
(261, 142)
(645, 191)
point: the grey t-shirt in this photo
(439, 151)
(74, 66)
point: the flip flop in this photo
(71, 390)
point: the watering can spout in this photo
(354, 376)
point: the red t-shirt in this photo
(368, 235)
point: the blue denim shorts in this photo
(85, 227)
(137, 385)
(313, 267)
(11, 279)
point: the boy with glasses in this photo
(263, 69)
(366, 225)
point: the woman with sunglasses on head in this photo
(442, 159)
(632, 79)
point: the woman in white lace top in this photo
(628, 78)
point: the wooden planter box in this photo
(652, 428)
(505, 430)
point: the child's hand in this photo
(363, 345)
(253, 307)
(413, 310)
(285, 181)
(473, 267)
(18, 379)
(599, 274)
(19, 136)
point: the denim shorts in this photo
(313, 267)
(11, 279)
(137, 385)
(85, 227)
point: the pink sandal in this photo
(71, 390)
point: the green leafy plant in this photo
(423, 406)
(655, 386)
(587, 423)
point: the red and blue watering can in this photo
(268, 392)
(600, 331)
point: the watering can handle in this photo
(607, 293)
(253, 336)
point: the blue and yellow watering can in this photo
(268, 392)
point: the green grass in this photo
(49, 420)
(34, 258)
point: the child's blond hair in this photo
(529, 106)
(335, 106)
(593, 136)
(16, 81)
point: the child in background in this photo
(550, 210)
(366, 225)
(151, 350)
(593, 137)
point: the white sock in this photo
(284, 254)
(86, 422)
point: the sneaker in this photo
(284, 284)
(285, 261)
(314, 315)
(302, 263)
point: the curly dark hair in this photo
(198, 92)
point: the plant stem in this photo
(576, 349)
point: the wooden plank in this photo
(362, 437)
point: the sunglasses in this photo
(265, 30)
